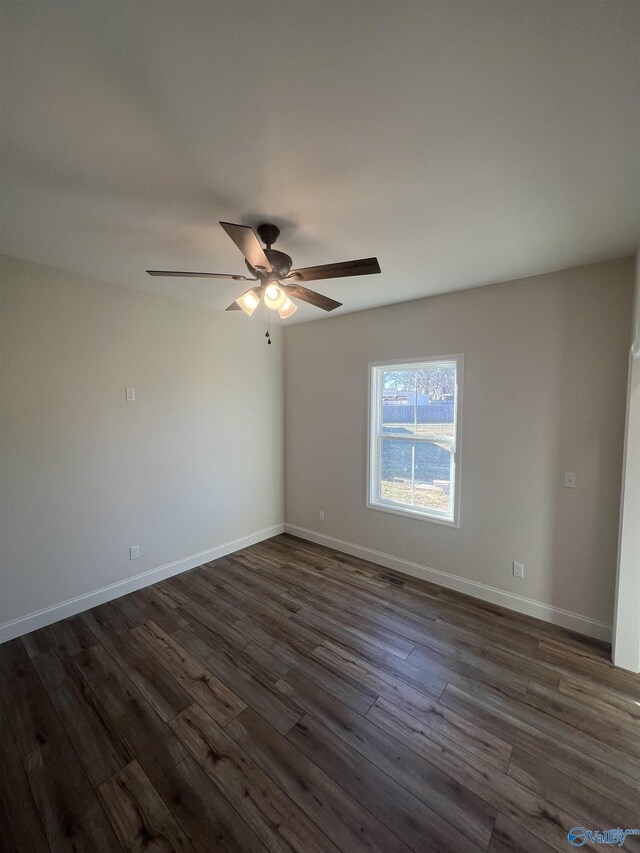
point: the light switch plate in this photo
(569, 480)
(130, 394)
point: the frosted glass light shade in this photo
(288, 309)
(274, 296)
(249, 301)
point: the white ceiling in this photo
(460, 142)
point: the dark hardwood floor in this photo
(287, 698)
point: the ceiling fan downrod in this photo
(268, 233)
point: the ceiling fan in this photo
(277, 282)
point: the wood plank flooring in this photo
(286, 698)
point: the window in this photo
(414, 438)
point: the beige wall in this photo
(545, 363)
(195, 462)
(626, 645)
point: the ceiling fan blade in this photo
(311, 297)
(181, 274)
(246, 240)
(364, 266)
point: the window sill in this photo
(394, 509)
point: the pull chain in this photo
(267, 334)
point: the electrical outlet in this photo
(134, 552)
(518, 570)
(321, 515)
(130, 394)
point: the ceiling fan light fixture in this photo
(288, 309)
(274, 296)
(249, 301)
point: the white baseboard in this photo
(510, 600)
(33, 621)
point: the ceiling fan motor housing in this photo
(280, 262)
(280, 266)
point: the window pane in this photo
(419, 401)
(436, 399)
(398, 402)
(417, 474)
(432, 477)
(395, 469)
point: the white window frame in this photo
(375, 436)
